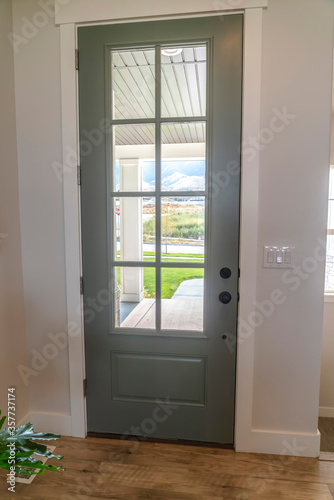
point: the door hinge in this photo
(239, 272)
(76, 59)
(85, 388)
(81, 285)
(79, 175)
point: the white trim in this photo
(280, 443)
(326, 412)
(328, 297)
(55, 423)
(161, 18)
(86, 11)
(249, 227)
(326, 456)
(72, 227)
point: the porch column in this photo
(132, 283)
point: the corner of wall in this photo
(12, 312)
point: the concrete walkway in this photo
(190, 289)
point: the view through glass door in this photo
(158, 186)
(160, 225)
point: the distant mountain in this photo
(182, 182)
(186, 167)
(183, 175)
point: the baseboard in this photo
(326, 412)
(54, 423)
(277, 443)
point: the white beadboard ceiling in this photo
(183, 84)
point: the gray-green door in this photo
(160, 133)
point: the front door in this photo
(160, 134)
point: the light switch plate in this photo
(278, 257)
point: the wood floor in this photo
(111, 469)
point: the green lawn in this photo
(170, 280)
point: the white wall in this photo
(37, 84)
(297, 72)
(297, 68)
(12, 328)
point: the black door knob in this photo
(225, 273)
(225, 297)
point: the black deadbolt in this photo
(225, 297)
(225, 273)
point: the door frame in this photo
(69, 17)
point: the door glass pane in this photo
(134, 158)
(183, 156)
(182, 299)
(135, 297)
(329, 285)
(183, 229)
(183, 80)
(133, 83)
(134, 229)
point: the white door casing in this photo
(81, 12)
(249, 216)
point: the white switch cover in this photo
(279, 257)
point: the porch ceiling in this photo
(183, 94)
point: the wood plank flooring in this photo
(131, 470)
